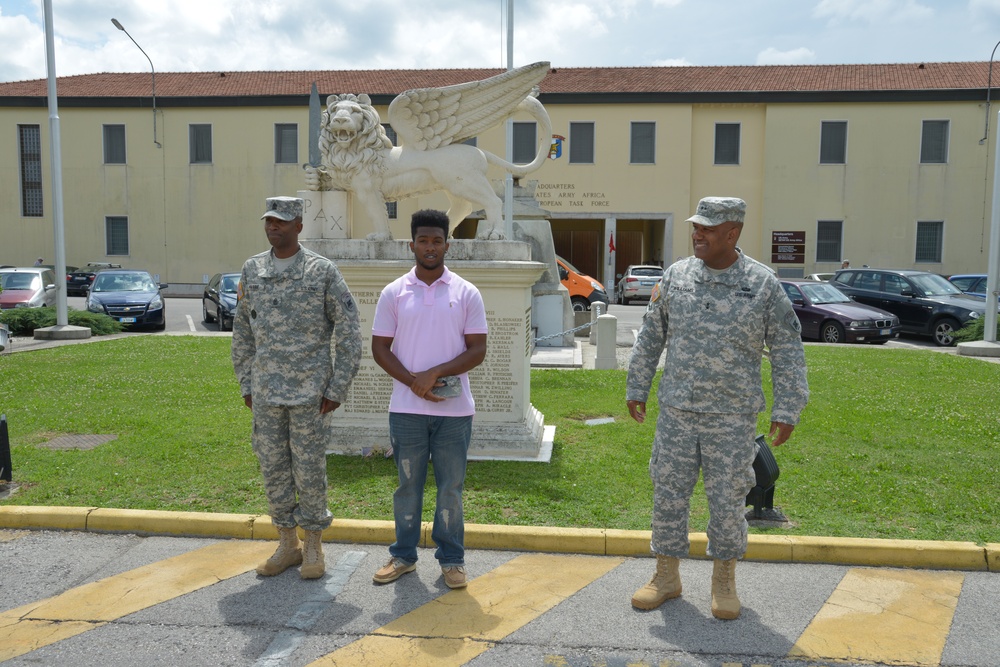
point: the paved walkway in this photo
(115, 587)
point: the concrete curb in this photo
(594, 541)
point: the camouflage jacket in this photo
(296, 333)
(715, 329)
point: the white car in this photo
(823, 277)
(637, 283)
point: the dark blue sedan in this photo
(129, 296)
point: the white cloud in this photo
(799, 56)
(873, 11)
(673, 62)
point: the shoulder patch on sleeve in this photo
(792, 320)
(347, 301)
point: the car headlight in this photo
(862, 323)
(94, 306)
(156, 303)
(22, 305)
(974, 315)
(597, 287)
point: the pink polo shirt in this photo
(428, 324)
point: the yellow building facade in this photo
(897, 178)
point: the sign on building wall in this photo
(788, 247)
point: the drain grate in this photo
(77, 441)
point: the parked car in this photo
(926, 303)
(218, 300)
(637, 283)
(27, 287)
(583, 290)
(819, 276)
(828, 315)
(970, 283)
(78, 281)
(129, 296)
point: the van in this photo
(583, 290)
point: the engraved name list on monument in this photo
(497, 384)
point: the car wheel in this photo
(580, 304)
(224, 324)
(204, 313)
(944, 331)
(831, 332)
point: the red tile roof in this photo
(579, 80)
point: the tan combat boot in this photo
(665, 584)
(725, 604)
(288, 554)
(313, 563)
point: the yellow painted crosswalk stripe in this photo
(39, 624)
(456, 627)
(891, 616)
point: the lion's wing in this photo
(426, 118)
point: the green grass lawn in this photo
(894, 443)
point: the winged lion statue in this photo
(431, 124)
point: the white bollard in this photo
(607, 354)
(597, 309)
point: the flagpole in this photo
(508, 184)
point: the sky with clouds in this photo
(215, 35)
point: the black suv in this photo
(926, 303)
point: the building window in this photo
(934, 142)
(581, 143)
(727, 143)
(829, 240)
(114, 144)
(286, 143)
(525, 142)
(391, 133)
(116, 234)
(833, 142)
(392, 210)
(930, 236)
(29, 145)
(643, 143)
(201, 143)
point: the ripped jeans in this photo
(445, 442)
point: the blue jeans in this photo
(445, 442)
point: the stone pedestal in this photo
(327, 214)
(506, 425)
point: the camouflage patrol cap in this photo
(283, 208)
(713, 211)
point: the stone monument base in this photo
(506, 425)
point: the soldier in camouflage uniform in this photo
(293, 307)
(715, 314)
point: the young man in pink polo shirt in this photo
(429, 332)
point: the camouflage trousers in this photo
(722, 446)
(290, 443)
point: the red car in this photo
(29, 287)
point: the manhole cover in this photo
(77, 441)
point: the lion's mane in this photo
(364, 153)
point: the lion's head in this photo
(351, 134)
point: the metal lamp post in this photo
(151, 69)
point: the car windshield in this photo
(647, 271)
(824, 293)
(229, 284)
(932, 284)
(123, 282)
(15, 281)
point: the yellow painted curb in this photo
(628, 542)
(171, 523)
(535, 538)
(775, 548)
(358, 531)
(890, 553)
(59, 518)
(614, 542)
(993, 557)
